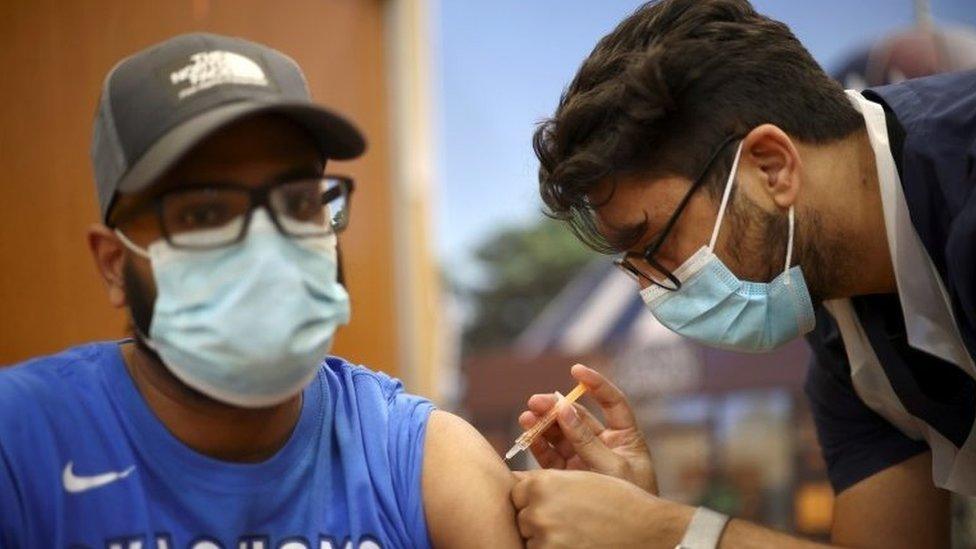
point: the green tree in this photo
(525, 267)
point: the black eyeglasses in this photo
(644, 266)
(218, 214)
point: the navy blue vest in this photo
(932, 129)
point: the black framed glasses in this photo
(215, 215)
(644, 266)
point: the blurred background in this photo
(460, 286)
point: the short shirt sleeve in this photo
(855, 440)
(408, 428)
(382, 430)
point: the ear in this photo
(109, 255)
(769, 153)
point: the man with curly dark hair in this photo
(754, 201)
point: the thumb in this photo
(588, 446)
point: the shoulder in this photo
(372, 402)
(453, 443)
(51, 380)
(943, 100)
(352, 377)
(370, 388)
(41, 399)
(44, 403)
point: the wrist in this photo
(705, 530)
(668, 521)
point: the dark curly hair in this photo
(659, 94)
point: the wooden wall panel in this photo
(54, 56)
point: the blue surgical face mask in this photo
(247, 324)
(714, 307)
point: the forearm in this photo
(741, 534)
(738, 534)
(897, 507)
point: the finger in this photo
(558, 451)
(589, 418)
(524, 528)
(539, 406)
(520, 492)
(553, 435)
(576, 464)
(527, 419)
(542, 403)
(564, 448)
(546, 456)
(588, 446)
(611, 400)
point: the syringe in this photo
(525, 439)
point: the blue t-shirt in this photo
(85, 463)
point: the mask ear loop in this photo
(136, 249)
(725, 198)
(132, 245)
(789, 247)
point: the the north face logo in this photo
(212, 68)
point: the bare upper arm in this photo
(466, 487)
(897, 507)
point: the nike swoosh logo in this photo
(74, 483)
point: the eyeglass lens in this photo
(214, 217)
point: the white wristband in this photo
(704, 531)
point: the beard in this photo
(140, 297)
(760, 238)
(821, 270)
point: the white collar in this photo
(929, 321)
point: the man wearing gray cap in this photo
(223, 423)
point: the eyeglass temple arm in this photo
(653, 246)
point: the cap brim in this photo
(336, 137)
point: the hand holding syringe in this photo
(525, 439)
(614, 446)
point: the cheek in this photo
(692, 231)
(677, 250)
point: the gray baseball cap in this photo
(160, 102)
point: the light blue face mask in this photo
(246, 324)
(714, 307)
